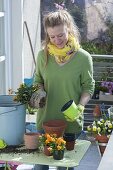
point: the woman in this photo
(64, 72)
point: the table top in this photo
(71, 158)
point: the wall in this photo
(96, 13)
(31, 15)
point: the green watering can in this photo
(70, 110)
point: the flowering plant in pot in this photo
(55, 145)
(46, 140)
(106, 86)
(57, 148)
(101, 129)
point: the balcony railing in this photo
(101, 64)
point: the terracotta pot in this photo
(97, 111)
(58, 154)
(102, 142)
(70, 145)
(55, 127)
(46, 151)
(31, 140)
(70, 141)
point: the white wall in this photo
(13, 44)
(31, 15)
(17, 43)
(96, 13)
(18, 61)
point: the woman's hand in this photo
(38, 99)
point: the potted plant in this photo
(101, 129)
(45, 140)
(106, 91)
(106, 86)
(53, 144)
(23, 95)
(57, 148)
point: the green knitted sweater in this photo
(63, 83)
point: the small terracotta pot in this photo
(31, 140)
(55, 127)
(70, 141)
(70, 145)
(97, 111)
(46, 151)
(102, 142)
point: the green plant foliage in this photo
(24, 93)
(96, 48)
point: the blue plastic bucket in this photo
(12, 120)
(28, 81)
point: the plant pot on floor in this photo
(102, 142)
(31, 140)
(97, 111)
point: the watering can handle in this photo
(10, 110)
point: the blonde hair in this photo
(60, 17)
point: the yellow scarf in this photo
(62, 55)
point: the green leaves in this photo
(24, 93)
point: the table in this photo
(71, 158)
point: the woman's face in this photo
(58, 35)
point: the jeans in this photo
(65, 168)
(46, 167)
(41, 167)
